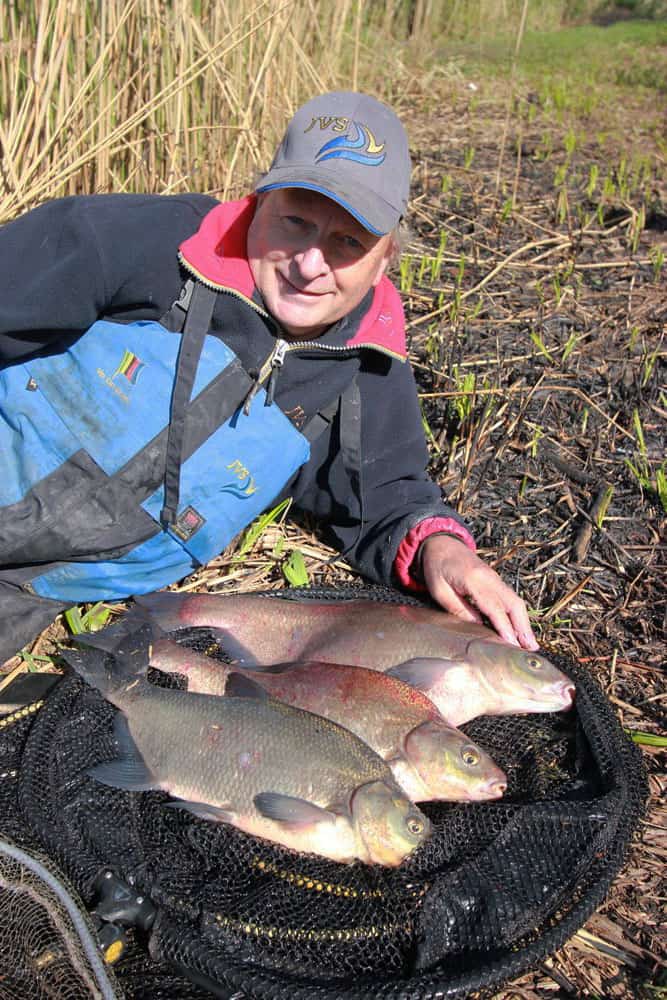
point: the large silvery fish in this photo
(271, 770)
(430, 759)
(464, 668)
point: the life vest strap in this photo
(199, 302)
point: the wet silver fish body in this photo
(464, 668)
(269, 769)
(430, 759)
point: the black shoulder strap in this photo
(321, 421)
(350, 444)
(348, 408)
(197, 301)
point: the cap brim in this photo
(374, 213)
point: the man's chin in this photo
(300, 327)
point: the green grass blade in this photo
(258, 527)
(294, 570)
(647, 739)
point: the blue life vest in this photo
(89, 437)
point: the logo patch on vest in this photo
(130, 367)
(187, 523)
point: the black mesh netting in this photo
(499, 885)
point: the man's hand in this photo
(466, 587)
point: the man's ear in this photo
(390, 255)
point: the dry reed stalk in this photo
(144, 94)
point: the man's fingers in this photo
(500, 620)
(522, 627)
(508, 615)
(448, 598)
(468, 588)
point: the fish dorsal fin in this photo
(290, 810)
(422, 672)
(128, 770)
(240, 686)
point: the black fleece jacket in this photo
(75, 260)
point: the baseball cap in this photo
(351, 148)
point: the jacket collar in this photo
(216, 254)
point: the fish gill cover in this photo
(498, 886)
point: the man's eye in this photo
(293, 220)
(351, 244)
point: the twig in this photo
(8, 678)
(576, 475)
(565, 600)
(585, 533)
(558, 978)
(510, 95)
(589, 940)
(564, 240)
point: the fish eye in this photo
(415, 826)
(469, 756)
(535, 662)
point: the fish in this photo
(271, 770)
(430, 759)
(463, 667)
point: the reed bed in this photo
(146, 95)
(140, 95)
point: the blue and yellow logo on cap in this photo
(358, 144)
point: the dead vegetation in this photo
(537, 330)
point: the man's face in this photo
(311, 260)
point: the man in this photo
(161, 385)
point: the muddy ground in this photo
(536, 330)
(554, 312)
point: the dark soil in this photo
(540, 355)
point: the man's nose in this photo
(312, 263)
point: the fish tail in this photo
(113, 637)
(110, 672)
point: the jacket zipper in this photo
(271, 367)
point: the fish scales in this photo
(269, 630)
(238, 747)
(464, 668)
(271, 770)
(429, 758)
(379, 704)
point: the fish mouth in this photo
(495, 789)
(568, 691)
(557, 697)
(560, 695)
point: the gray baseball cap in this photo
(349, 147)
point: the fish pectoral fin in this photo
(204, 810)
(239, 686)
(128, 770)
(123, 774)
(422, 672)
(291, 810)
